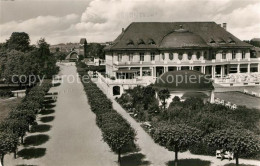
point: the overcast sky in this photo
(61, 21)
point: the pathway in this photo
(75, 140)
(157, 154)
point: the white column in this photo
(152, 74)
(212, 97)
(238, 68)
(141, 72)
(221, 71)
(213, 71)
(248, 68)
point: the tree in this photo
(27, 115)
(14, 67)
(60, 55)
(176, 137)
(17, 126)
(95, 50)
(148, 96)
(19, 41)
(163, 95)
(238, 141)
(118, 135)
(8, 142)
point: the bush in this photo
(6, 93)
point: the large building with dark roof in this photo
(145, 50)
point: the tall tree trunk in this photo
(22, 139)
(164, 104)
(237, 162)
(176, 156)
(15, 153)
(2, 159)
(119, 156)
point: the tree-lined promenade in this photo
(116, 131)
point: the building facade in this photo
(145, 50)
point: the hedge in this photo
(116, 131)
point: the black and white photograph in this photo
(129, 82)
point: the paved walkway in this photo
(75, 140)
(157, 154)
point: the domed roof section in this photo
(182, 38)
(183, 80)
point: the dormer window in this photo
(130, 42)
(211, 41)
(151, 42)
(231, 41)
(221, 41)
(140, 41)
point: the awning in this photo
(126, 71)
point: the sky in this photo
(62, 21)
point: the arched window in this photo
(116, 90)
(198, 55)
(163, 56)
(189, 55)
(171, 56)
(180, 55)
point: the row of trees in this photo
(194, 125)
(116, 131)
(19, 120)
(20, 59)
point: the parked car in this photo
(224, 154)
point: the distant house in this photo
(83, 47)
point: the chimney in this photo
(225, 26)
(123, 30)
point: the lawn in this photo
(6, 105)
(239, 99)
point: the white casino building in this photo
(145, 50)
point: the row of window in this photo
(152, 57)
(180, 56)
(224, 55)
